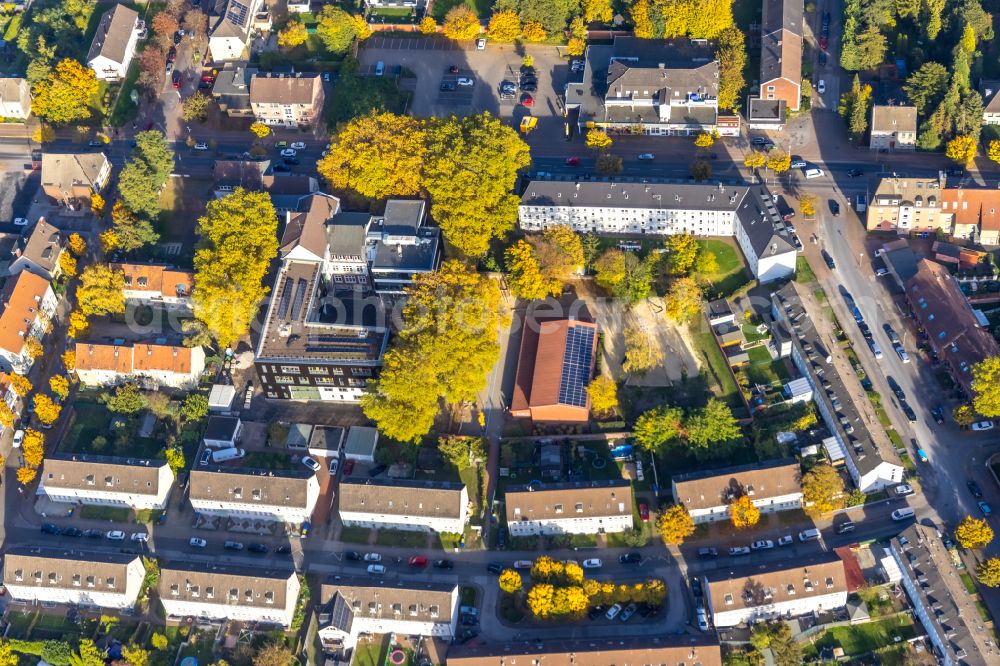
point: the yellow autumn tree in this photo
(575, 47)
(77, 324)
(540, 600)
(994, 150)
(743, 513)
(46, 409)
(59, 385)
(807, 204)
(755, 159)
(69, 359)
(101, 290)
(26, 475)
(779, 161)
(7, 415)
(109, 241)
(598, 140)
(362, 30)
(603, 394)
(510, 581)
(545, 569)
(67, 94)
(461, 23)
(33, 447)
(641, 19)
(97, 204)
(67, 264)
(533, 31)
(260, 130)
(961, 150)
(33, 347)
(294, 34)
(22, 385)
(573, 573)
(44, 134)
(704, 140)
(428, 26)
(525, 275)
(675, 524)
(973, 533)
(505, 26)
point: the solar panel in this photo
(300, 295)
(286, 299)
(576, 366)
(237, 13)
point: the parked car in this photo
(233, 545)
(938, 414)
(373, 557)
(352, 555)
(334, 466)
(49, 528)
(763, 544)
(573, 161)
(141, 537)
(259, 548)
(628, 612)
(644, 513)
(834, 208)
(376, 569)
(702, 619)
(527, 100)
(529, 86)
(911, 415)
(522, 564)
(786, 540)
(201, 145)
(93, 534)
(447, 86)
(289, 152)
(854, 173)
(418, 561)
(283, 549)
(494, 567)
(466, 81)
(310, 463)
(922, 455)
(298, 145)
(196, 542)
(736, 551)
(593, 563)
(904, 489)
(444, 564)
(376, 470)
(630, 558)
(982, 425)
(828, 259)
(613, 611)
(974, 489)
(71, 532)
(821, 87)
(985, 508)
(647, 156)
(18, 439)
(206, 457)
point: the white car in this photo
(786, 540)
(904, 489)
(882, 272)
(310, 463)
(797, 164)
(480, 44)
(298, 145)
(465, 81)
(763, 544)
(201, 145)
(20, 221)
(821, 87)
(982, 425)
(376, 569)
(334, 466)
(592, 564)
(373, 557)
(702, 620)
(18, 439)
(116, 535)
(736, 551)
(647, 156)
(613, 611)
(195, 542)
(288, 152)
(140, 536)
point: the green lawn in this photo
(731, 274)
(354, 534)
(970, 585)
(371, 652)
(125, 110)
(392, 12)
(751, 334)
(803, 271)
(864, 638)
(91, 433)
(763, 369)
(267, 460)
(356, 95)
(401, 538)
(440, 9)
(717, 367)
(113, 513)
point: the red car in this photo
(572, 161)
(418, 561)
(644, 513)
(824, 43)
(527, 100)
(348, 467)
(178, 80)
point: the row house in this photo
(27, 304)
(90, 579)
(684, 650)
(157, 286)
(209, 591)
(71, 179)
(153, 365)
(283, 496)
(136, 483)
(428, 506)
(772, 486)
(15, 98)
(287, 100)
(781, 40)
(39, 251)
(594, 507)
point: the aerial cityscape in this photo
(499, 333)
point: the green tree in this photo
(378, 155)
(659, 427)
(714, 423)
(456, 450)
(238, 242)
(822, 489)
(731, 53)
(126, 399)
(446, 347)
(988, 572)
(931, 19)
(194, 407)
(88, 654)
(855, 107)
(986, 387)
(609, 165)
(196, 106)
(152, 149)
(101, 291)
(132, 232)
(559, 250)
(628, 278)
(642, 353)
(682, 251)
(470, 168)
(336, 29)
(926, 86)
(57, 653)
(142, 177)
(66, 95)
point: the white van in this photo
(227, 454)
(903, 514)
(809, 535)
(813, 173)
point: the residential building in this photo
(991, 102)
(158, 286)
(894, 128)
(27, 304)
(298, 6)
(284, 496)
(584, 507)
(766, 114)
(781, 28)
(940, 601)
(152, 365)
(89, 579)
(974, 213)
(745, 212)
(772, 486)
(245, 173)
(288, 191)
(212, 591)
(361, 444)
(114, 44)
(15, 98)
(287, 100)
(394, 3)
(365, 606)
(222, 432)
(38, 252)
(650, 648)
(776, 589)
(870, 458)
(655, 87)
(554, 367)
(425, 506)
(229, 35)
(71, 178)
(943, 314)
(231, 89)
(400, 246)
(135, 483)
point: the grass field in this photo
(803, 271)
(440, 9)
(371, 652)
(718, 368)
(864, 638)
(731, 274)
(763, 369)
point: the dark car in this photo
(280, 168)
(469, 620)
(453, 69)
(467, 636)
(708, 552)
(494, 567)
(447, 86)
(444, 564)
(177, 80)
(71, 532)
(834, 208)
(376, 470)
(291, 160)
(352, 555)
(283, 550)
(822, 58)
(911, 415)
(178, 37)
(829, 260)
(596, 612)
(630, 558)
(695, 586)
(529, 87)
(49, 528)
(527, 70)
(895, 387)
(171, 54)
(258, 548)
(94, 534)
(854, 173)
(502, 538)
(938, 414)
(974, 489)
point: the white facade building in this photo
(230, 35)
(287, 496)
(151, 365)
(778, 589)
(592, 507)
(114, 44)
(355, 607)
(404, 505)
(772, 486)
(91, 579)
(27, 304)
(136, 483)
(215, 592)
(744, 212)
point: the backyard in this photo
(95, 430)
(861, 639)
(730, 275)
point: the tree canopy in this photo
(627, 277)
(101, 291)
(658, 427)
(986, 387)
(67, 95)
(674, 524)
(525, 273)
(337, 29)
(712, 424)
(973, 533)
(822, 488)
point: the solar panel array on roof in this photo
(576, 366)
(237, 13)
(286, 299)
(300, 296)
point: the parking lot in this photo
(431, 61)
